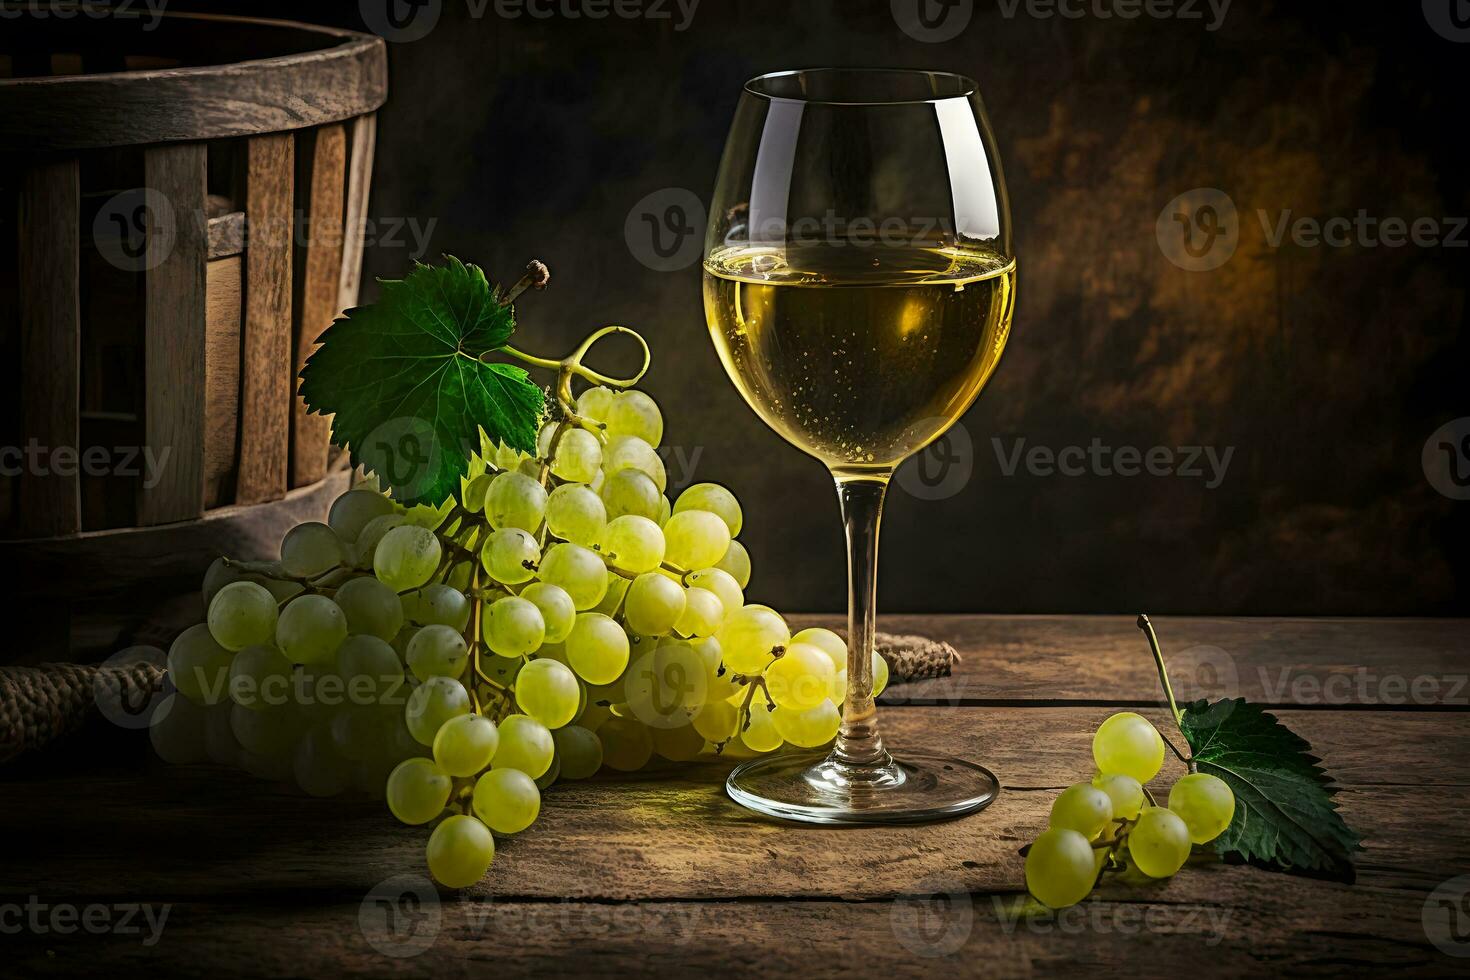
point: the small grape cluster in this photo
(1113, 821)
(559, 616)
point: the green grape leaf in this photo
(406, 387)
(1285, 816)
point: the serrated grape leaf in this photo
(405, 385)
(1284, 812)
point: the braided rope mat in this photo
(41, 704)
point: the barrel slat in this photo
(321, 175)
(175, 337)
(266, 390)
(50, 328)
(359, 180)
(223, 319)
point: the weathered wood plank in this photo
(178, 249)
(1105, 659)
(266, 388)
(321, 174)
(222, 313)
(359, 182)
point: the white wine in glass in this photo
(859, 285)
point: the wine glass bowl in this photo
(859, 285)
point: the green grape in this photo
(631, 452)
(737, 562)
(1084, 808)
(800, 678)
(418, 791)
(761, 734)
(717, 686)
(1125, 792)
(466, 744)
(199, 667)
(1159, 842)
(833, 645)
(880, 673)
(665, 510)
(177, 731)
(654, 604)
(749, 636)
(575, 513)
(431, 704)
(460, 851)
(809, 727)
(216, 577)
(502, 670)
(713, 498)
(681, 744)
(515, 500)
(473, 497)
(717, 721)
(630, 491)
(242, 614)
(371, 534)
(558, 611)
(507, 457)
(634, 544)
(508, 553)
(548, 691)
(626, 744)
(577, 570)
(1060, 868)
(260, 678)
(507, 800)
(597, 648)
(544, 781)
(406, 557)
(837, 689)
(579, 751)
(319, 768)
(632, 413)
(1205, 804)
(220, 743)
(272, 732)
(703, 614)
(310, 549)
(612, 599)
(1128, 743)
(352, 511)
(371, 607)
(360, 732)
(696, 539)
(513, 627)
(721, 583)
(578, 456)
(437, 604)
(594, 403)
(437, 651)
(665, 687)
(310, 629)
(525, 744)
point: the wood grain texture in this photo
(267, 392)
(178, 249)
(222, 316)
(339, 75)
(359, 181)
(50, 345)
(321, 175)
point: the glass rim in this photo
(965, 86)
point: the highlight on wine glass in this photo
(859, 284)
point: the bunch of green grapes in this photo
(1113, 821)
(560, 616)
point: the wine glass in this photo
(858, 285)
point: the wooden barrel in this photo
(182, 202)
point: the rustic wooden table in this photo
(660, 873)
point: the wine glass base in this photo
(814, 788)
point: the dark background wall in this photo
(1323, 369)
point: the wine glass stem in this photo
(859, 746)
